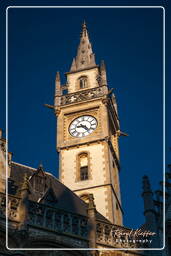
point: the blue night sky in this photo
(43, 41)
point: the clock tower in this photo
(87, 132)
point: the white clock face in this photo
(82, 126)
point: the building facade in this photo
(83, 208)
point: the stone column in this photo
(23, 206)
(92, 224)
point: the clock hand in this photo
(85, 127)
(82, 126)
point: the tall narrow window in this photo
(84, 173)
(83, 166)
(83, 82)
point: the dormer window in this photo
(83, 82)
(38, 183)
(38, 180)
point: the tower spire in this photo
(84, 32)
(149, 208)
(57, 90)
(85, 57)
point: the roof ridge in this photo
(35, 169)
(23, 165)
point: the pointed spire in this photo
(146, 184)
(58, 84)
(149, 208)
(103, 73)
(85, 57)
(57, 89)
(84, 32)
(147, 195)
(73, 66)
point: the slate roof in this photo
(66, 199)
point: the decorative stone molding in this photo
(56, 220)
(116, 236)
(13, 203)
(57, 111)
(83, 95)
(105, 101)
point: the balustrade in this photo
(57, 220)
(118, 237)
(83, 95)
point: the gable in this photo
(49, 198)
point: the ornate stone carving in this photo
(57, 220)
(13, 203)
(116, 236)
(99, 80)
(83, 95)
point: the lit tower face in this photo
(87, 132)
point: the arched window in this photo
(83, 166)
(83, 82)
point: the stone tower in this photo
(87, 132)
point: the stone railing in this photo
(83, 95)
(57, 220)
(109, 235)
(43, 216)
(13, 203)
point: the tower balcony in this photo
(83, 95)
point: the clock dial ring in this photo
(82, 126)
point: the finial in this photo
(57, 76)
(91, 203)
(84, 24)
(103, 73)
(73, 66)
(40, 167)
(146, 184)
(102, 65)
(84, 29)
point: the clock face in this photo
(82, 126)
